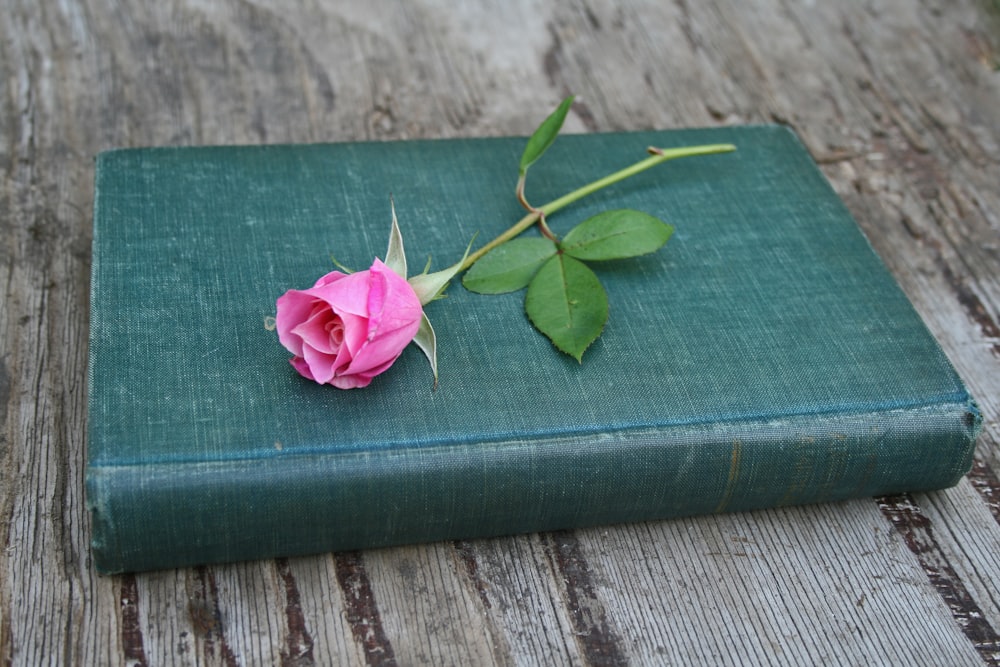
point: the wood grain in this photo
(898, 101)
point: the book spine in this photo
(164, 515)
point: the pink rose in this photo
(348, 328)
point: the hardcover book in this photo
(763, 357)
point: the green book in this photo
(763, 357)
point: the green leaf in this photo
(615, 235)
(427, 342)
(508, 267)
(395, 257)
(566, 302)
(544, 135)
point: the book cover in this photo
(763, 357)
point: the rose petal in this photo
(315, 332)
(329, 278)
(394, 314)
(299, 364)
(385, 349)
(293, 307)
(321, 365)
(392, 303)
(377, 289)
(351, 381)
(378, 370)
(355, 332)
(348, 294)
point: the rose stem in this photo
(659, 155)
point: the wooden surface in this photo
(899, 100)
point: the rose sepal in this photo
(429, 286)
(395, 255)
(427, 342)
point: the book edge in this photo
(283, 146)
(956, 424)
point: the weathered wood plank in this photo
(957, 519)
(897, 99)
(326, 616)
(816, 585)
(921, 536)
(432, 616)
(520, 595)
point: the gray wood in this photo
(899, 100)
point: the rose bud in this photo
(348, 328)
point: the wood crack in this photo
(298, 650)
(133, 646)
(600, 644)
(362, 610)
(206, 617)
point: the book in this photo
(763, 357)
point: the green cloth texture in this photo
(763, 357)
